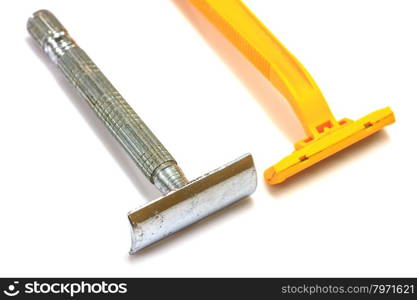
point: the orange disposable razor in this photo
(325, 135)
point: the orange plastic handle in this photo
(326, 136)
(272, 59)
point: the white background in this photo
(66, 186)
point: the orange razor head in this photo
(312, 151)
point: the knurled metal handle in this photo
(122, 121)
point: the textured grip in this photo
(133, 134)
(114, 111)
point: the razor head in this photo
(335, 140)
(193, 202)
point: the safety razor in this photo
(183, 202)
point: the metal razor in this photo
(183, 202)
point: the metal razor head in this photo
(193, 202)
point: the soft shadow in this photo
(180, 236)
(328, 165)
(145, 188)
(274, 104)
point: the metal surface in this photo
(200, 198)
(185, 203)
(125, 125)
